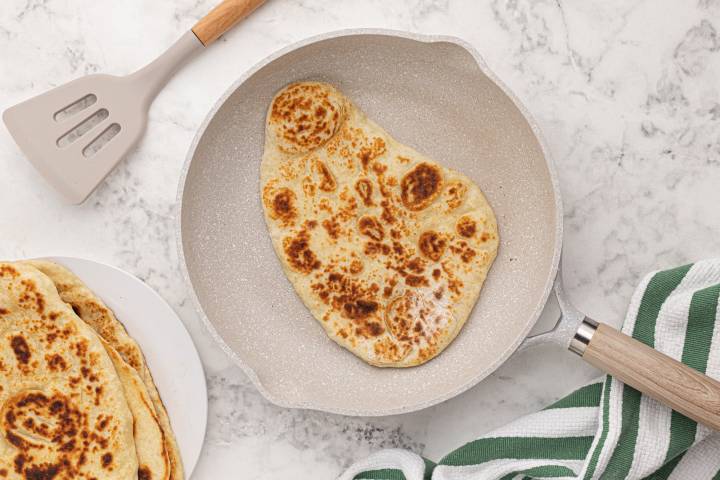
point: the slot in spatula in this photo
(75, 134)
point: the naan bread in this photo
(62, 408)
(153, 463)
(94, 312)
(387, 248)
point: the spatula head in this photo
(76, 133)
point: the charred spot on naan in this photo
(56, 362)
(455, 194)
(360, 308)
(356, 266)
(31, 298)
(353, 148)
(298, 253)
(107, 460)
(144, 473)
(31, 419)
(21, 349)
(332, 227)
(416, 265)
(281, 203)
(305, 116)
(412, 280)
(326, 180)
(8, 271)
(371, 227)
(368, 153)
(34, 421)
(388, 351)
(354, 300)
(364, 188)
(466, 227)
(308, 186)
(432, 245)
(420, 186)
(463, 250)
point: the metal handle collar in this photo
(583, 336)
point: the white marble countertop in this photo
(626, 92)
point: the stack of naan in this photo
(77, 400)
(386, 247)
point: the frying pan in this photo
(437, 95)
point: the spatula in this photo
(75, 134)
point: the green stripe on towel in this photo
(658, 290)
(486, 449)
(385, 474)
(604, 430)
(545, 471)
(696, 350)
(587, 396)
(394, 473)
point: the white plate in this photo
(169, 351)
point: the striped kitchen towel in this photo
(604, 430)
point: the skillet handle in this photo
(222, 18)
(686, 390)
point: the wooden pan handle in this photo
(222, 18)
(673, 383)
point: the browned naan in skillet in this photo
(386, 247)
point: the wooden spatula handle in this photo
(222, 18)
(673, 383)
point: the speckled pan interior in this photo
(428, 92)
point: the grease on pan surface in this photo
(387, 248)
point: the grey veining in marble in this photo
(627, 94)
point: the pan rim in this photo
(481, 374)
